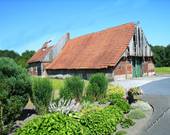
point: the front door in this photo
(137, 62)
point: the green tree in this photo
(167, 55)
(9, 53)
(15, 87)
(19, 59)
(25, 56)
(161, 55)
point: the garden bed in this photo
(93, 107)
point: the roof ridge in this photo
(114, 27)
(98, 51)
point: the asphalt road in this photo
(157, 93)
(159, 87)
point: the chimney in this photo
(68, 35)
(45, 45)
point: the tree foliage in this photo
(25, 56)
(19, 59)
(9, 53)
(15, 87)
(161, 55)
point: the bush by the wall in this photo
(53, 124)
(102, 121)
(97, 86)
(73, 88)
(15, 87)
(41, 94)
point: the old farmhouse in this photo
(120, 52)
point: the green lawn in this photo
(162, 70)
(57, 83)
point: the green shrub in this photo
(104, 100)
(127, 122)
(136, 114)
(41, 94)
(121, 103)
(15, 87)
(53, 124)
(73, 88)
(121, 132)
(90, 107)
(97, 86)
(116, 89)
(102, 121)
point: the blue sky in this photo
(26, 24)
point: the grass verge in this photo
(162, 70)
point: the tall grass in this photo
(41, 94)
(73, 88)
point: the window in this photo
(134, 42)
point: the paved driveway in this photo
(157, 93)
(141, 82)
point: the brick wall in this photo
(123, 67)
(148, 66)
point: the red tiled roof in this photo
(95, 50)
(40, 54)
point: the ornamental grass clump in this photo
(73, 88)
(97, 86)
(41, 94)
